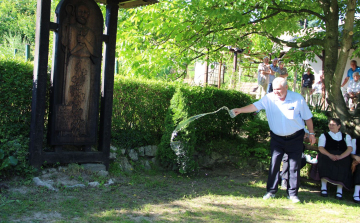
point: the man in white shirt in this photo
(353, 91)
(286, 112)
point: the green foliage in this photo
(6, 161)
(17, 18)
(15, 98)
(139, 109)
(15, 112)
(320, 121)
(198, 135)
(256, 143)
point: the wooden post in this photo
(39, 81)
(27, 52)
(107, 87)
(206, 73)
(219, 76)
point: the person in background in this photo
(308, 80)
(316, 92)
(282, 70)
(334, 161)
(263, 76)
(274, 69)
(355, 168)
(354, 68)
(286, 112)
(353, 91)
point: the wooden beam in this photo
(39, 82)
(107, 88)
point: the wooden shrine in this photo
(80, 109)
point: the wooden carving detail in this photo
(76, 76)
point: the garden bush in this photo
(198, 135)
(15, 113)
(139, 108)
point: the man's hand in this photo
(312, 139)
(236, 111)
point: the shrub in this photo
(15, 111)
(190, 101)
(139, 109)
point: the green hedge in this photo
(139, 108)
(15, 112)
(198, 135)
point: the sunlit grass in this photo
(165, 197)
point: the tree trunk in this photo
(334, 65)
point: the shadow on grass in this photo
(223, 195)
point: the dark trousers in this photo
(284, 175)
(293, 146)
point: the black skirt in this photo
(336, 172)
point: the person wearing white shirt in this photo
(334, 161)
(316, 92)
(353, 91)
(355, 154)
(263, 76)
(286, 112)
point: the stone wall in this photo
(145, 156)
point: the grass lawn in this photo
(224, 195)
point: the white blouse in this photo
(335, 136)
(353, 142)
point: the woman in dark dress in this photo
(334, 160)
(356, 168)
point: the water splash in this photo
(177, 146)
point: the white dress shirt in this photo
(353, 143)
(285, 117)
(317, 87)
(353, 86)
(335, 136)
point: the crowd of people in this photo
(288, 113)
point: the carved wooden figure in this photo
(76, 74)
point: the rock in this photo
(153, 160)
(76, 185)
(103, 173)
(133, 155)
(215, 156)
(113, 148)
(112, 156)
(141, 151)
(150, 151)
(111, 181)
(94, 184)
(94, 167)
(62, 169)
(206, 161)
(125, 165)
(123, 151)
(146, 164)
(41, 183)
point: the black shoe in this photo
(338, 196)
(323, 194)
(356, 201)
(284, 184)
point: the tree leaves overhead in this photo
(176, 32)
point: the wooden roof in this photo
(126, 4)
